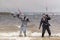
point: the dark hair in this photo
(27, 19)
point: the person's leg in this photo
(43, 31)
(48, 30)
(21, 29)
(24, 31)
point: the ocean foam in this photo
(10, 34)
(46, 34)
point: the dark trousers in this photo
(44, 28)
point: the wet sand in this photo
(9, 35)
(29, 38)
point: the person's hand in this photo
(13, 15)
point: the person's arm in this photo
(40, 24)
(13, 15)
(48, 17)
(18, 16)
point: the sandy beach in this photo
(33, 33)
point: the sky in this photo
(30, 5)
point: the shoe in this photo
(42, 36)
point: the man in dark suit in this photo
(45, 24)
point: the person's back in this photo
(24, 21)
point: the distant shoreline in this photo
(28, 13)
